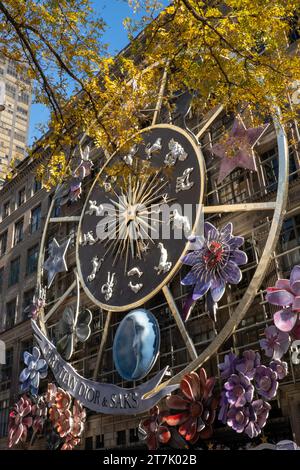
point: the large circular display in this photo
(136, 218)
(136, 344)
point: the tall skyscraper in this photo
(14, 118)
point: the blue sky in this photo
(113, 12)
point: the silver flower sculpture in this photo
(72, 328)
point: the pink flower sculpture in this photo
(286, 294)
(20, 420)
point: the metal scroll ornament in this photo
(131, 217)
(100, 397)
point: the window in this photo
(21, 197)
(35, 219)
(3, 243)
(23, 97)
(289, 241)
(100, 441)
(234, 188)
(4, 414)
(88, 443)
(269, 164)
(10, 90)
(1, 278)
(133, 435)
(121, 438)
(5, 210)
(10, 314)
(11, 70)
(32, 259)
(6, 370)
(20, 137)
(22, 111)
(18, 232)
(27, 300)
(37, 185)
(14, 271)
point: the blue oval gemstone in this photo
(136, 344)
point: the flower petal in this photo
(177, 403)
(285, 320)
(232, 273)
(36, 353)
(176, 419)
(164, 434)
(279, 297)
(188, 429)
(200, 289)
(296, 304)
(27, 358)
(217, 292)
(295, 280)
(189, 279)
(283, 284)
(239, 257)
(24, 375)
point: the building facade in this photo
(14, 119)
(24, 206)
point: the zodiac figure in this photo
(183, 183)
(128, 159)
(164, 265)
(96, 263)
(154, 148)
(107, 184)
(88, 239)
(135, 287)
(108, 287)
(180, 221)
(176, 152)
(135, 271)
(93, 208)
(85, 166)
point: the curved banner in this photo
(101, 397)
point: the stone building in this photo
(14, 119)
(24, 206)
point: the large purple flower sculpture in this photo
(276, 343)
(286, 294)
(266, 382)
(259, 412)
(215, 262)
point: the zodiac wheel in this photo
(123, 258)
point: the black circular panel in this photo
(128, 245)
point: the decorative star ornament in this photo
(56, 262)
(236, 149)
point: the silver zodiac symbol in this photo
(93, 208)
(183, 183)
(164, 265)
(135, 287)
(150, 149)
(176, 152)
(128, 159)
(135, 271)
(96, 263)
(108, 287)
(88, 239)
(107, 184)
(295, 350)
(180, 221)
